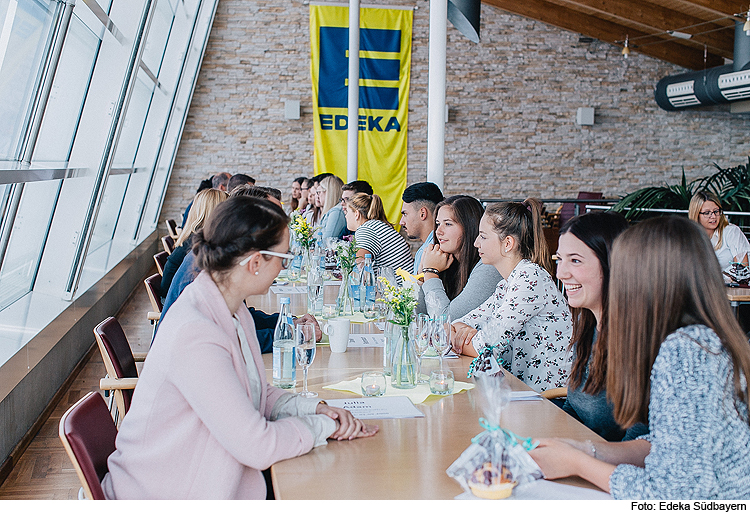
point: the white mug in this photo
(337, 331)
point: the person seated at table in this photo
(730, 244)
(677, 358)
(297, 201)
(313, 213)
(365, 216)
(203, 203)
(532, 314)
(265, 324)
(454, 276)
(217, 181)
(333, 222)
(239, 179)
(204, 422)
(352, 188)
(418, 216)
(583, 268)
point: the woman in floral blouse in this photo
(531, 312)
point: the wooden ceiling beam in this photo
(717, 7)
(571, 20)
(653, 18)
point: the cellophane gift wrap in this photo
(502, 449)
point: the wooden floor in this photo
(44, 470)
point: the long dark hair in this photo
(598, 231)
(236, 227)
(522, 221)
(664, 276)
(467, 212)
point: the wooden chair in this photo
(88, 434)
(168, 242)
(172, 229)
(161, 259)
(119, 360)
(153, 288)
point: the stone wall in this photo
(512, 104)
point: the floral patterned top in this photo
(534, 316)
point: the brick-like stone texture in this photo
(512, 103)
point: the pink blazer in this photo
(192, 431)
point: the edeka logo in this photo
(332, 77)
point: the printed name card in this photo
(378, 408)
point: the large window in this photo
(93, 98)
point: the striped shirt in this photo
(386, 246)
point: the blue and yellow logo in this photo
(384, 70)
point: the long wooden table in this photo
(407, 458)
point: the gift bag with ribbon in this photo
(497, 460)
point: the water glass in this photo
(314, 291)
(329, 311)
(422, 327)
(304, 348)
(441, 382)
(441, 336)
(373, 384)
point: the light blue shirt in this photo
(333, 223)
(418, 256)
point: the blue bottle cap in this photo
(284, 300)
(367, 255)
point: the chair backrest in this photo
(153, 287)
(568, 210)
(88, 435)
(172, 228)
(168, 243)
(117, 356)
(161, 259)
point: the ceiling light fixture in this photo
(626, 49)
(680, 35)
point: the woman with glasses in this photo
(729, 243)
(204, 422)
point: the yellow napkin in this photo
(417, 395)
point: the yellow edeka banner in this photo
(385, 60)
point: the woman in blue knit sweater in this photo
(679, 361)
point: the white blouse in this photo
(533, 314)
(733, 244)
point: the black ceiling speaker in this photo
(464, 15)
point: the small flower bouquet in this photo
(401, 301)
(346, 254)
(303, 231)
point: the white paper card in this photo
(288, 290)
(366, 340)
(378, 408)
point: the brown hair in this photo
(467, 212)
(598, 231)
(523, 222)
(694, 211)
(369, 206)
(203, 203)
(235, 228)
(664, 276)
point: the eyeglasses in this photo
(286, 258)
(715, 212)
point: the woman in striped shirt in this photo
(374, 234)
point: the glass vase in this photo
(391, 334)
(344, 299)
(404, 367)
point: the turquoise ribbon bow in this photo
(510, 436)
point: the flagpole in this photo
(352, 132)
(436, 92)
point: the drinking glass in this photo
(314, 291)
(441, 336)
(304, 347)
(422, 329)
